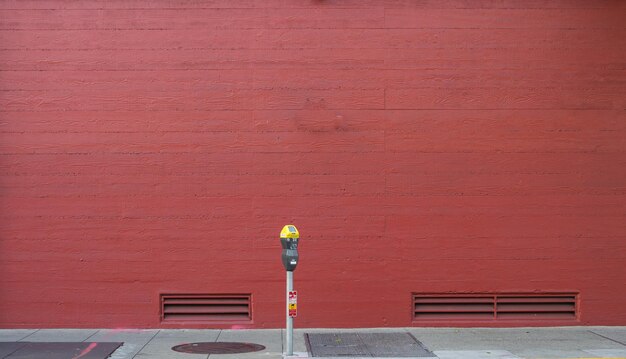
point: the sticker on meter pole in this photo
(293, 303)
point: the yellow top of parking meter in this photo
(289, 231)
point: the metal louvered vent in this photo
(206, 308)
(536, 307)
(453, 307)
(490, 307)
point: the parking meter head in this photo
(289, 231)
(289, 237)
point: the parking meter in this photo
(289, 237)
(289, 240)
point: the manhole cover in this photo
(365, 345)
(218, 348)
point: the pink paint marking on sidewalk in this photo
(86, 350)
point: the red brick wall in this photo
(420, 146)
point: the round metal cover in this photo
(218, 348)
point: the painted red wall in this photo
(419, 146)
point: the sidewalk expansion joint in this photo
(29, 335)
(611, 339)
(139, 351)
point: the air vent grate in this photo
(549, 306)
(206, 307)
(536, 307)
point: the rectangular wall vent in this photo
(549, 306)
(206, 308)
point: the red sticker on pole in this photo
(293, 303)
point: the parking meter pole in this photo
(289, 332)
(289, 237)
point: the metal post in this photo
(289, 332)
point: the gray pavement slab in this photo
(540, 353)
(198, 335)
(134, 340)
(126, 351)
(126, 335)
(14, 335)
(299, 341)
(270, 338)
(608, 353)
(298, 355)
(475, 354)
(512, 339)
(60, 335)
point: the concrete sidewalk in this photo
(445, 343)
